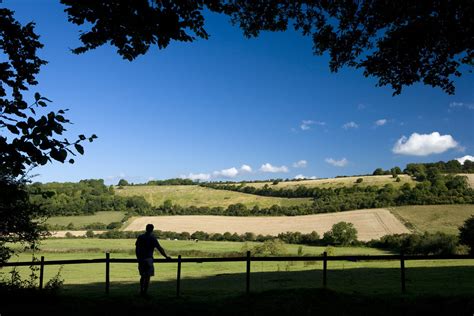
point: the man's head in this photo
(149, 228)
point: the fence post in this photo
(325, 268)
(41, 273)
(402, 271)
(107, 272)
(247, 289)
(178, 277)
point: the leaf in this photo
(71, 161)
(13, 129)
(42, 103)
(82, 137)
(37, 96)
(79, 149)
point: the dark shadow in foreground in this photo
(363, 291)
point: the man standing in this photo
(144, 247)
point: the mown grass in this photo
(450, 277)
(338, 182)
(105, 217)
(434, 218)
(193, 195)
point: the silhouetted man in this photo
(145, 245)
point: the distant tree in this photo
(466, 233)
(397, 42)
(359, 180)
(398, 179)
(378, 172)
(275, 182)
(89, 233)
(122, 183)
(341, 233)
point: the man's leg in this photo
(146, 283)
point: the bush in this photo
(359, 180)
(96, 225)
(418, 244)
(114, 225)
(89, 234)
(466, 234)
(341, 233)
(273, 247)
(69, 235)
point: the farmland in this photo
(105, 217)
(433, 218)
(370, 224)
(194, 195)
(337, 182)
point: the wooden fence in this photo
(247, 259)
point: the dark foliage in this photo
(418, 244)
(397, 42)
(466, 233)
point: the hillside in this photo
(337, 182)
(194, 195)
(433, 218)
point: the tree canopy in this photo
(397, 42)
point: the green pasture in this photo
(193, 195)
(434, 218)
(80, 221)
(446, 277)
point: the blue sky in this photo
(207, 108)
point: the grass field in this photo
(433, 218)
(337, 182)
(193, 195)
(210, 280)
(81, 221)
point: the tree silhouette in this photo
(398, 42)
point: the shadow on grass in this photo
(367, 291)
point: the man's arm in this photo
(161, 250)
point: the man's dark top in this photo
(145, 245)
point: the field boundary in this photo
(248, 259)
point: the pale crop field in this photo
(434, 218)
(338, 182)
(370, 224)
(194, 195)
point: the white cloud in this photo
(306, 124)
(302, 177)
(469, 106)
(246, 168)
(463, 159)
(381, 122)
(350, 125)
(197, 176)
(300, 164)
(337, 163)
(267, 167)
(424, 144)
(226, 173)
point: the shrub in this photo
(419, 244)
(466, 234)
(273, 247)
(89, 234)
(69, 235)
(114, 225)
(359, 180)
(95, 225)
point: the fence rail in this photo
(247, 259)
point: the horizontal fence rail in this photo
(247, 259)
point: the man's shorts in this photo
(146, 268)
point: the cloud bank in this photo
(463, 159)
(424, 144)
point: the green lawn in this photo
(193, 195)
(80, 221)
(433, 218)
(447, 277)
